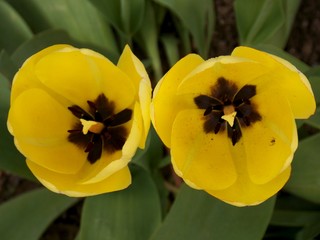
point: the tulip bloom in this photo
(230, 122)
(79, 119)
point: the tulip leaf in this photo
(265, 21)
(130, 214)
(170, 44)
(305, 178)
(28, 215)
(7, 67)
(197, 215)
(294, 218)
(314, 120)
(197, 18)
(13, 28)
(147, 38)
(310, 232)
(78, 17)
(125, 15)
(39, 42)
(11, 160)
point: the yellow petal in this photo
(40, 126)
(244, 192)
(68, 184)
(206, 160)
(36, 116)
(135, 70)
(79, 75)
(271, 142)
(64, 157)
(25, 77)
(287, 78)
(235, 69)
(165, 104)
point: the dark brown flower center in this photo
(228, 108)
(99, 128)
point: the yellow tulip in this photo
(79, 119)
(230, 122)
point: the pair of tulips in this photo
(228, 121)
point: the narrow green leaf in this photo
(130, 214)
(11, 160)
(7, 66)
(305, 179)
(125, 15)
(147, 38)
(170, 44)
(291, 218)
(314, 120)
(78, 17)
(197, 18)
(267, 22)
(13, 28)
(310, 232)
(27, 216)
(39, 42)
(197, 215)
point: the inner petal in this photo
(202, 158)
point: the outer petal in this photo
(235, 69)
(40, 128)
(70, 81)
(293, 82)
(67, 184)
(244, 192)
(166, 105)
(205, 160)
(25, 78)
(135, 70)
(108, 165)
(270, 143)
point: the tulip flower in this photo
(79, 119)
(230, 122)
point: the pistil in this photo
(229, 114)
(91, 126)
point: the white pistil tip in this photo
(92, 126)
(230, 118)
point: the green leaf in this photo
(7, 67)
(197, 18)
(130, 214)
(39, 42)
(265, 21)
(197, 215)
(294, 218)
(170, 44)
(27, 216)
(78, 17)
(147, 38)
(11, 160)
(315, 84)
(13, 28)
(305, 178)
(125, 15)
(314, 120)
(310, 232)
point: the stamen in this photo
(229, 114)
(91, 126)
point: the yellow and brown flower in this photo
(230, 122)
(79, 119)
